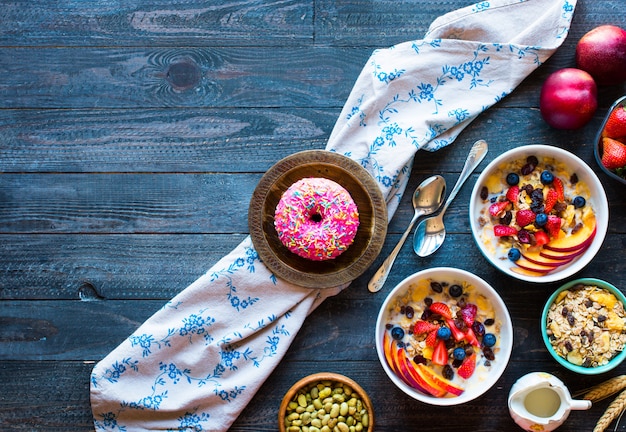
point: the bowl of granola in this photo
(538, 213)
(583, 325)
(444, 336)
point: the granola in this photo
(586, 325)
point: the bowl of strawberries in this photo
(610, 148)
(538, 213)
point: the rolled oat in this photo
(586, 325)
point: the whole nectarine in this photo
(602, 53)
(568, 99)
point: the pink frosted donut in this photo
(316, 219)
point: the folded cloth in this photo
(197, 362)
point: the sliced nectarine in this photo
(537, 257)
(581, 239)
(438, 379)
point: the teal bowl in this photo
(615, 361)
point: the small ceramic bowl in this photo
(615, 361)
(597, 149)
(331, 380)
(540, 266)
(409, 375)
(363, 189)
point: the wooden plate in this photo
(325, 376)
(364, 191)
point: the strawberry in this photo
(615, 126)
(456, 333)
(470, 338)
(441, 309)
(525, 217)
(468, 313)
(558, 187)
(422, 327)
(613, 154)
(551, 198)
(541, 238)
(504, 230)
(431, 339)
(512, 194)
(440, 353)
(553, 226)
(498, 208)
(467, 367)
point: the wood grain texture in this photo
(132, 135)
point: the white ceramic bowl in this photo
(597, 199)
(484, 377)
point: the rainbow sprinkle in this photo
(316, 218)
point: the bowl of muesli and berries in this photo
(538, 213)
(444, 336)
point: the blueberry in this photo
(444, 333)
(514, 254)
(455, 290)
(512, 179)
(458, 353)
(579, 202)
(397, 333)
(541, 219)
(489, 339)
(546, 177)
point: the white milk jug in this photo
(540, 401)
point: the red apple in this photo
(602, 53)
(568, 99)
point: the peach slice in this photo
(565, 256)
(531, 266)
(415, 380)
(574, 242)
(537, 258)
(525, 272)
(439, 380)
(389, 352)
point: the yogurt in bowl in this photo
(538, 213)
(444, 336)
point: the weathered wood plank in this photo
(100, 78)
(387, 22)
(210, 140)
(61, 403)
(177, 77)
(152, 140)
(125, 203)
(97, 267)
(163, 23)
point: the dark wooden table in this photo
(132, 135)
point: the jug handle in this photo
(580, 404)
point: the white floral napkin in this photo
(197, 362)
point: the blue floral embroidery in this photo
(356, 109)
(147, 340)
(481, 6)
(116, 370)
(191, 422)
(109, 422)
(251, 256)
(434, 43)
(197, 325)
